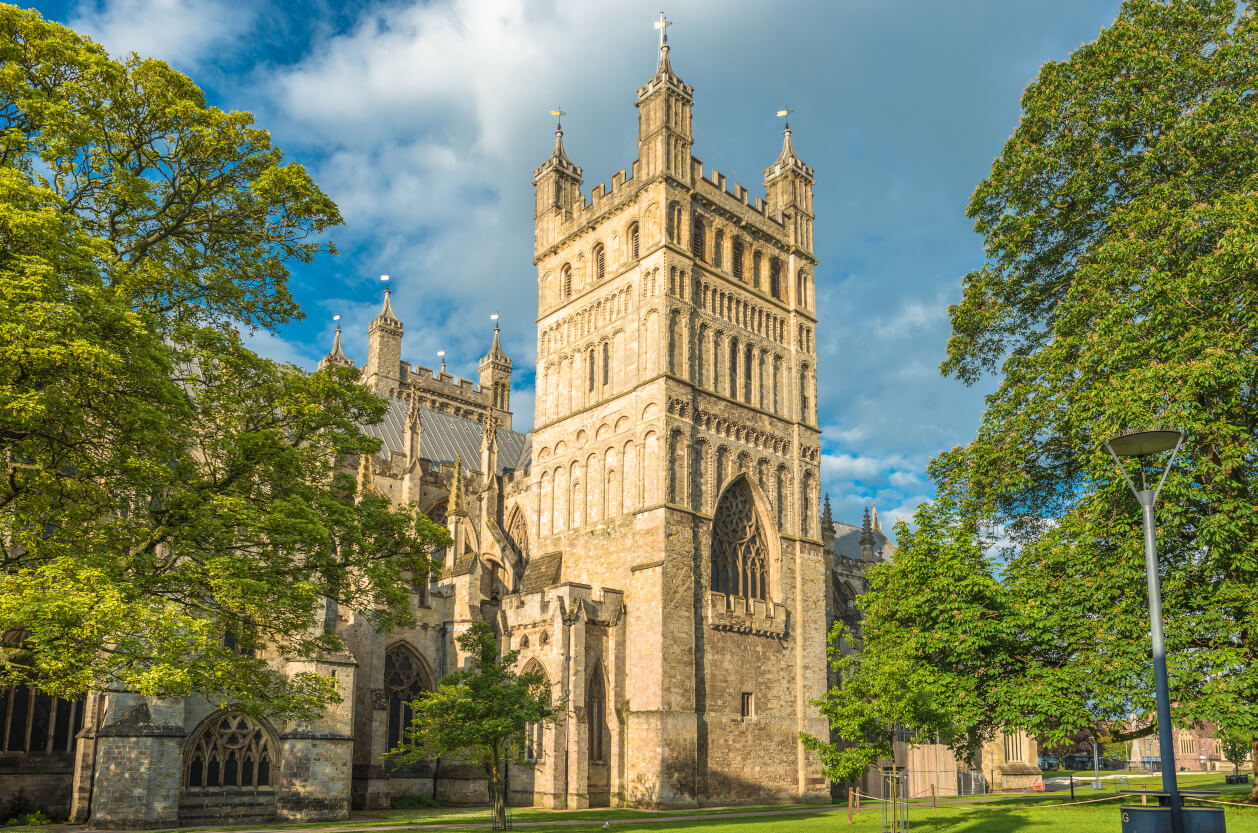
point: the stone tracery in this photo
(739, 551)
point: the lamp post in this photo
(1140, 444)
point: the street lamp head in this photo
(1143, 442)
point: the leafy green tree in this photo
(1120, 291)
(164, 492)
(480, 713)
(1235, 747)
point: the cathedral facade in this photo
(655, 545)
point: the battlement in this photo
(435, 382)
(714, 188)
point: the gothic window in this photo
(775, 278)
(738, 259)
(845, 608)
(674, 341)
(803, 394)
(590, 366)
(757, 266)
(567, 281)
(230, 750)
(405, 678)
(700, 354)
(718, 244)
(633, 241)
(596, 715)
(518, 535)
(698, 239)
(697, 465)
(535, 733)
(437, 514)
(801, 290)
(739, 552)
(748, 364)
(33, 721)
(600, 265)
(733, 368)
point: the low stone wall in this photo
(43, 778)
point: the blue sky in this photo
(424, 122)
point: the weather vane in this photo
(662, 24)
(785, 113)
(558, 114)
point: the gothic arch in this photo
(406, 676)
(598, 732)
(518, 533)
(745, 551)
(535, 733)
(231, 751)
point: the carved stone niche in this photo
(378, 701)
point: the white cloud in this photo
(182, 32)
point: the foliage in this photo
(1236, 747)
(480, 712)
(161, 486)
(1120, 291)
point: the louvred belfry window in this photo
(739, 552)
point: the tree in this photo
(480, 712)
(1235, 747)
(1120, 291)
(174, 509)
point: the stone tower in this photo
(495, 380)
(382, 371)
(675, 457)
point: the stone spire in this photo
(874, 521)
(455, 503)
(665, 104)
(495, 378)
(827, 517)
(414, 430)
(788, 185)
(867, 538)
(383, 369)
(336, 356)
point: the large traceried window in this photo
(405, 678)
(32, 721)
(230, 750)
(740, 556)
(518, 535)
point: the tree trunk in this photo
(500, 798)
(1253, 757)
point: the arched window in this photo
(600, 262)
(698, 463)
(672, 223)
(801, 289)
(698, 238)
(567, 280)
(589, 359)
(733, 368)
(230, 749)
(757, 267)
(33, 721)
(437, 514)
(701, 354)
(775, 278)
(633, 241)
(803, 394)
(748, 365)
(405, 678)
(739, 552)
(535, 733)
(738, 259)
(518, 534)
(607, 363)
(596, 715)
(718, 245)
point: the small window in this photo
(607, 363)
(633, 241)
(718, 244)
(567, 281)
(733, 368)
(757, 265)
(590, 360)
(698, 239)
(748, 705)
(775, 278)
(738, 259)
(599, 262)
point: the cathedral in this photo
(656, 545)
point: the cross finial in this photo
(558, 114)
(662, 24)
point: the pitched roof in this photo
(542, 571)
(847, 542)
(445, 437)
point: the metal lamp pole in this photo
(1140, 444)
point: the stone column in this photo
(316, 756)
(139, 763)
